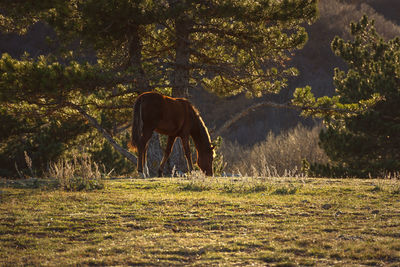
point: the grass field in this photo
(203, 221)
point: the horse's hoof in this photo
(141, 175)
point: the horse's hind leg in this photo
(146, 171)
(188, 154)
(167, 152)
(142, 151)
(140, 161)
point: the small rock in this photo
(326, 206)
(338, 213)
(375, 211)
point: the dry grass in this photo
(278, 155)
(80, 173)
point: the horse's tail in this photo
(137, 126)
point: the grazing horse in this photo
(174, 117)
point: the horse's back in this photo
(150, 98)
(151, 107)
(166, 115)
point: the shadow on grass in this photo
(31, 183)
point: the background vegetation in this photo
(106, 53)
(46, 138)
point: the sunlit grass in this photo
(203, 221)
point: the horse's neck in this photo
(200, 135)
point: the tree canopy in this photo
(106, 52)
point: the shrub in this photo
(78, 174)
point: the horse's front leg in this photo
(167, 152)
(188, 154)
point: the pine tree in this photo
(365, 140)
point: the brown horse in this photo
(175, 117)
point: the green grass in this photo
(202, 221)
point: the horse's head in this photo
(205, 161)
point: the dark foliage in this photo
(367, 144)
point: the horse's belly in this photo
(167, 130)
(163, 131)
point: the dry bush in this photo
(80, 173)
(278, 155)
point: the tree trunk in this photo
(135, 59)
(180, 81)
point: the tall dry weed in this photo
(79, 173)
(278, 155)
